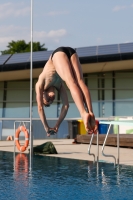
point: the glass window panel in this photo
(105, 109)
(105, 95)
(108, 104)
(18, 84)
(51, 112)
(73, 111)
(124, 83)
(94, 95)
(124, 91)
(108, 108)
(1, 97)
(18, 95)
(124, 74)
(124, 80)
(95, 106)
(124, 108)
(108, 95)
(1, 90)
(18, 91)
(124, 94)
(101, 109)
(13, 110)
(34, 92)
(35, 111)
(92, 81)
(108, 83)
(1, 109)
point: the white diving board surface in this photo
(123, 122)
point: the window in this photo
(17, 99)
(1, 97)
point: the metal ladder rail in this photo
(89, 148)
(107, 155)
(91, 154)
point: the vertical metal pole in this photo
(97, 146)
(31, 66)
(118, 148)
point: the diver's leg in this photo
(76, 66)
(64, 69)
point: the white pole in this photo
(31, 66)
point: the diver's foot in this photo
(86, 120)
(92, 121)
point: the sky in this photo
(72, 23)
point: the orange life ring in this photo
(22, 148)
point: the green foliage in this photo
(21, 46)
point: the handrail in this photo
(90, 147)
(122, 122)
(107, 155)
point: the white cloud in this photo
(12, 30)
(57, 33)
(9, 33)
(13, 10)
(127, 41)
(51, 34)
(51, 39)
(22, 12)
(118, 8)
(5, 40)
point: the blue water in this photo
(57, 178)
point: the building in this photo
(108, 73)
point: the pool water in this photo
(63, 179)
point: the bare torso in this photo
(49, 76)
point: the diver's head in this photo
(48, 96)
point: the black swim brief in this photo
(67, 50)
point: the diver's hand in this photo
(56, 128)
(50, 131)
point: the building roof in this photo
(93, 54)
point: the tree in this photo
(21, 46)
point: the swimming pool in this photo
(63, 179)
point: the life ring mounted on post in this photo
(24, 147)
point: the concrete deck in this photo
(66, 149)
